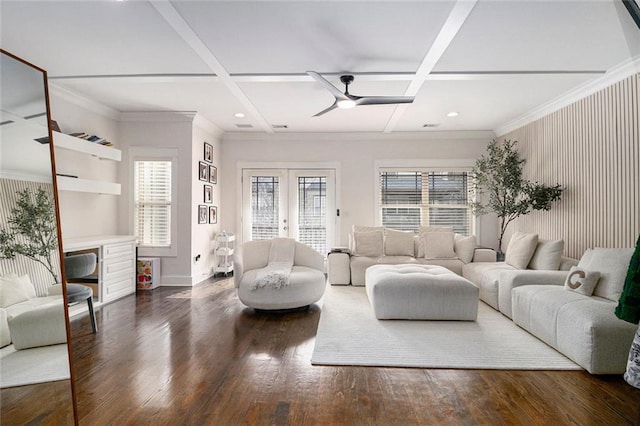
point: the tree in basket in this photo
(501, 189)
(32, 230)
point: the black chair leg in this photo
(92, 314)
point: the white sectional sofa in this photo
(583, 327)
(383, 246)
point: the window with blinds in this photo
(410, 199)
(265, 207)
(153, 202)
(312, 217)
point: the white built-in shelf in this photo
(66, 183)
(61, 140)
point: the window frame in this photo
(155, 154)
(423, 168)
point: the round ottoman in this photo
(420, 292)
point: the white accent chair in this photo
(307, 281)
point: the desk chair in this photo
(79, 266)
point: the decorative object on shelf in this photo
(213, 174)
(224, 252)
(208, 194)
(628, 309)
(202, 214)
(213, 214)
(32, 230)
(203, 171)
(208, 152)
(500, 188)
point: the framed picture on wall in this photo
(202, 214)
(213, 174)
(203, 171)
(208, 194)
(208, 152)
(213, 214)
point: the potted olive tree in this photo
(500, 188)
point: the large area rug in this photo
(35, 365)
(349, 334)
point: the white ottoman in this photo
(420, 292)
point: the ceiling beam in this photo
(452, 25)
(177, 22)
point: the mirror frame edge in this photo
(58, 225)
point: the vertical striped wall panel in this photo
(592, 148)
(40, 276)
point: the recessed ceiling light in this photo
(239, 115)
(452, 114)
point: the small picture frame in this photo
(208, 194)
(203, 171)
(202, 214)
(213, 174)
(208, 152)
(213, 214)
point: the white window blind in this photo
(410, 199)
(265, 207)
(312, 217)
(153, 203)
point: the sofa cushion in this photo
(398, 243)
(41, 326)
(465, 247)
(548, 255)
(612, 263)
(369, 243)
(454, 265)
(585, 259)
(485, 276)
(438, 245)
(581, 280)
(520, 249)
(12, 290)
(423, 230)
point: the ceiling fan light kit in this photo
(346, 100)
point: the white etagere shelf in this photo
(224, 250)
(72, 143)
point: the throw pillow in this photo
(11, 291)
(398, 243)
(369, 244)
(520, 249)
(548, 255)
(612, 264)
(581, 281)
(423, 230)
(438, 245)
(25, 282)
(465, 247)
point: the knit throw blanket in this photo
(628, 308)
(276, 273)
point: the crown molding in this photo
(207, 125)
(83, 102)
(612, 76)
(158, 116)
(480, 135)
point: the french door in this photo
(294, 203)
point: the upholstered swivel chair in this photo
(307, 281)
(80, 266)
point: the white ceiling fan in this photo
(347, 100)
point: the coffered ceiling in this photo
(490, 61)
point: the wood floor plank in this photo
(196, 357)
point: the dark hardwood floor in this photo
(198, 356)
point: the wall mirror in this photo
(35, 373)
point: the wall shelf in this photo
(85, 185)
(61, 140)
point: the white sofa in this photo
(525, 252)
(27, 320)
(583, 327)
(307, 281)
(383, 246)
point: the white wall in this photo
(356, 155)
(84, 214)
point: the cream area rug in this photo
(349, 334)
(35, 365)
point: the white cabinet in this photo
(77, 184)
(224, 253)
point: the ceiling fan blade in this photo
(384, 100)
(330, 87)
(324, 111)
